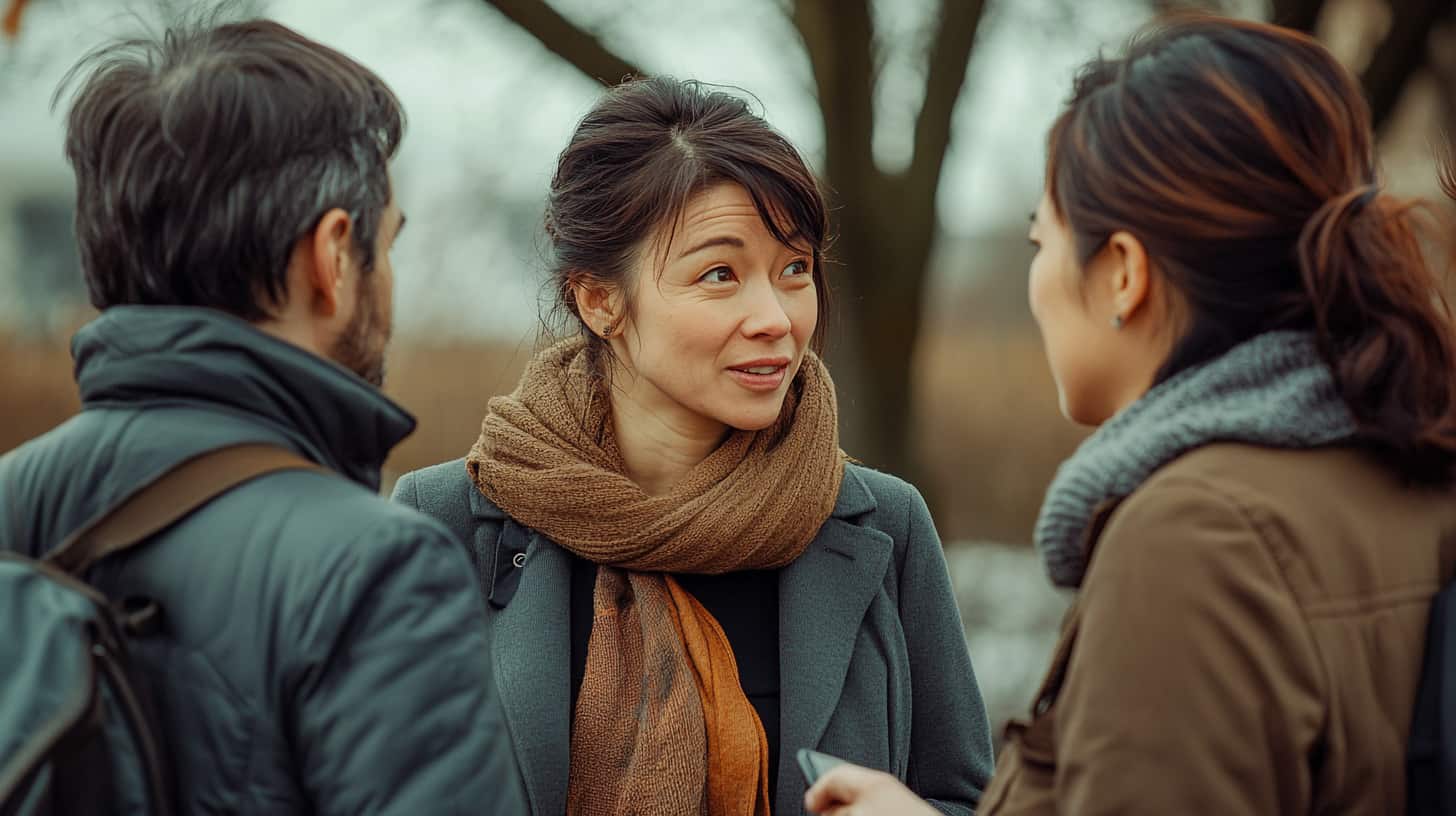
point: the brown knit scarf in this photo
(661, 724)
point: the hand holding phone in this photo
(869, 791)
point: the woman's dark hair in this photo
(637, 159)
(1241, 155)
(202, 156)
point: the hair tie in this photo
(1371, 193)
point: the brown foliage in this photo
(36, 390)
(447, 387)
(989, 430)
(988, 425)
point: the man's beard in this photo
(361, 346)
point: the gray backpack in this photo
(77, 734)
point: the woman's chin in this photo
(1082, 413)
(755, 419)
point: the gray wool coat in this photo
(872, 656)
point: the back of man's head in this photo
(204, 156)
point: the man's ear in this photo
(330, 248)
(600, 307)
(1130, 273)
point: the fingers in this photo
(850, 789)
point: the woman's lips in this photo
(760, 377)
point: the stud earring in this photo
(607, 331)
(1117, 321)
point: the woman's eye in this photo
(718, 274)
(796, 269)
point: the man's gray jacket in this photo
(322, 650)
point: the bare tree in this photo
(886, 220)
(1401, 54)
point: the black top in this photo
(745, 604)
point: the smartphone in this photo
(814, 764)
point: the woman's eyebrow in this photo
(722, 240)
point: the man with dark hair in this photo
(322, 649)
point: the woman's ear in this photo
(598, 306)
(1130, 275)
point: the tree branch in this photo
(1300, 15)
(11, 24)
(565, 39)
(945, 75)
(1401, 53)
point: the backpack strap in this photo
(174, 494)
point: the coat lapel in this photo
(823, 597)
(531, 652)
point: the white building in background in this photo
(40, 275)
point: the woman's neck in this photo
(660, 440)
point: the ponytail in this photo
(1385, 328)
(1241, 155)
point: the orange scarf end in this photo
(737, 745)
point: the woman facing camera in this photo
(1261, 520)
(687, 580)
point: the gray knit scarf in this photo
(1272, 390)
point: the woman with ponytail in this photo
(1258, 525)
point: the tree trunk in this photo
(1401, 54)
(887, 329)
(879, 299)
(885, 224)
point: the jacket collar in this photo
(855, 498)
(823, 598)
(531, 655)
(134, 356)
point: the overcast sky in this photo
(489, 109)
